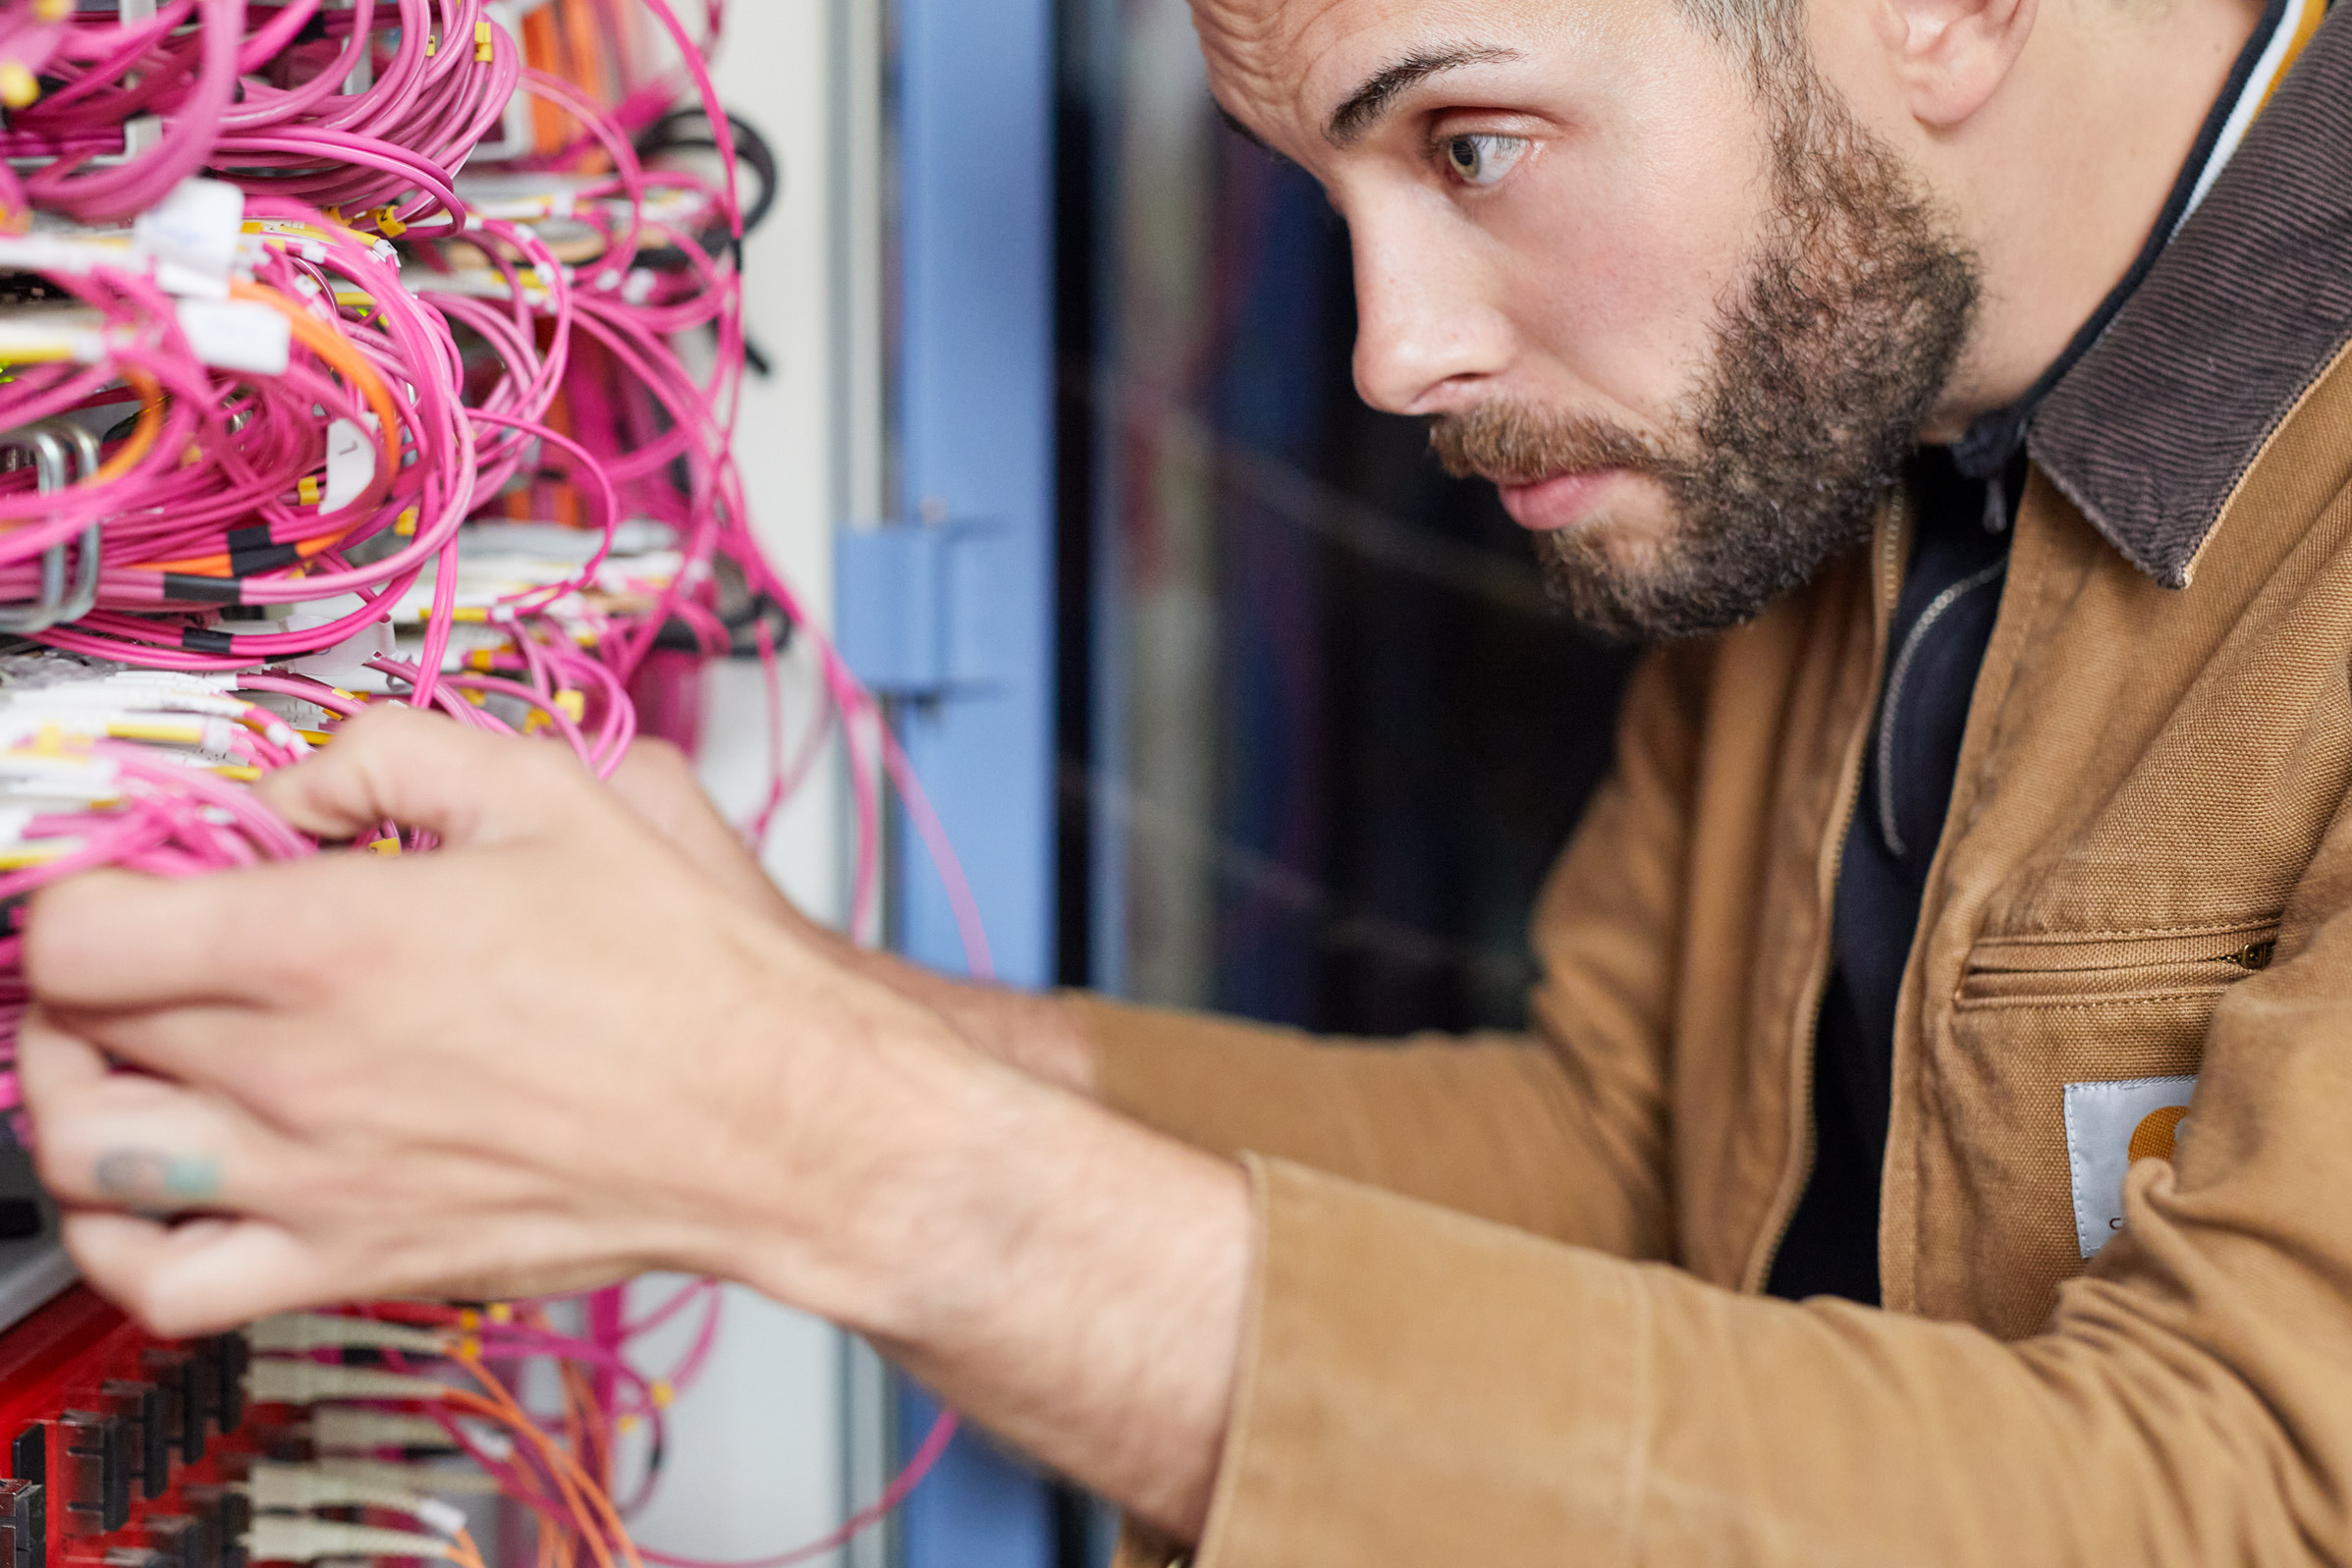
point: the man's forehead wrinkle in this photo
(1364, 107)
(1252, 48)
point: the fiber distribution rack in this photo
(352, 351)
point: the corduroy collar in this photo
(2149, 431)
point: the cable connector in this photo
(285, 1381)
(293, 1538)
(303, 1488)
(428, 1479)
(345, 1428)
(320, 1330)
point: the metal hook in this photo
(87, 564)
(47, 441)
(49, 458)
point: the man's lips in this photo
(1563, 501)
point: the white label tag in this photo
(2108, 1125)
(351, 464)
(236, 335)
(192, 235)
(442, 1518)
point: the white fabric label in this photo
(192, 234)
(236, 335)
(2108, 1125)
(351, 464)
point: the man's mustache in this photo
(1511, 443)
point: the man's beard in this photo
(1824, 365)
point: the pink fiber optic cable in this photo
(446, 367)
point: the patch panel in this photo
(123, 1450)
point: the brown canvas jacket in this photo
(1504, 1304)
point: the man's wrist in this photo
(1039, 1033)
(940, 1125)
(1070, 1278)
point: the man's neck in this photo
(2064, 174)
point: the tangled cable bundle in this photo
(349, 354)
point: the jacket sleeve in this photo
(1422, 1387)
(1561, 1130)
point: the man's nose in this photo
(1429, 332)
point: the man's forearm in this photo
(1073, 1281)
(1037, 1034)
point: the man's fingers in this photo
(110, 940)
(54, 1063)
(423, 770)
(128, 1141)
(198, 1042)
(199, 1276)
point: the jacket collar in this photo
(2152, 428)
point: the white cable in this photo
(303, 1488)
(348, 1428)
(427, 1478)
(282, 1381)
(318, 1331)
(294, 1538)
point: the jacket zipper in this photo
(1890, 586)
(1891, 702)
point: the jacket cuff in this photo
(1419, 1386)
(1212, 1082)
(1139, 1547)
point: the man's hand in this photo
(554, 1054)
(1033, 1033)
(472, 1070)
(657, 781)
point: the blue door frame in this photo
(974, 428)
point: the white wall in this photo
(756, 1460)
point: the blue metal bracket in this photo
(915, 600)
(964, 612)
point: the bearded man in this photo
(1957, 389)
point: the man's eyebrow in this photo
(1370, 101)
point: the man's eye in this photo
(1481, 160)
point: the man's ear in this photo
(1952, 55)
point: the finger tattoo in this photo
(151, 1177)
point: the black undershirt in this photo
(1952, 591)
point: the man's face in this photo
(1662, 288)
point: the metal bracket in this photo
(911, 604)
(48, 442)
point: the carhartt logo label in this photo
(2151, 1139)
(2108, 1125)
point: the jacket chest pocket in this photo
(2114, 967)
(2056, 1051)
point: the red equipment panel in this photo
(119, 1446)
